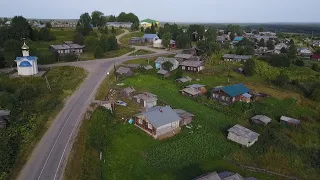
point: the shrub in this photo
(315, 67)
(249, 67)
(281, 60)
(282, 79)
(98, 53)
(299, 62)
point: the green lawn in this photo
(121, 51)
(125, 39)
(141, 52)
(33, 108)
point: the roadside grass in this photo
(125, 39)
(116, 53)
(141, 52)
(45, 106)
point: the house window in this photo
(213, 95)
(183, 67)
(149, 126)
(223, 98)
(140, 121)
(228, 98)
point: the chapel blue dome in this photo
(25, 64)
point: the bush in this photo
(299, 62)
(69, 57)
(281, 60)
(249, 67)
(91, 43)
(98, 53)
(78, 38)
(282, 79)
(315, 67)
(316, 94)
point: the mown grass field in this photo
(125, 39)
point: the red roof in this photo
(315, 56)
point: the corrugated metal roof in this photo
(195, 86)
(150, 36)
(262, 118)
(290, 120)
(235, 89)
(184, 56)
(123, 70)
(191, 63)
(162, 71)
(244, 132)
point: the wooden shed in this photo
(290, 121)
(242, 135)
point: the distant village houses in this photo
(119, 24)
(68, 47)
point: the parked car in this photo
(121, 103)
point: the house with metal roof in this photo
(184, 79)
(237, 39)
(147, 100)
(68, 47)
(290, 121)
(194, 90)
(183, 57)
(242, 135)
(163, 73)
(193, 66)
(150, 38)
(135, 40)
(230, 94)
(158, 121)
(236, 58)
(261, 119)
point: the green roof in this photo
(151, 21)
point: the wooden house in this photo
(194, 90)
(183, 57)
(127, 92)
(290, 121)
(124, 71)
(242, 135)
(261, 119)
(186, 117)
(231, 94)
(158, 121)
(146, 100)
(193, 66)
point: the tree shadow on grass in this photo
(189, 172)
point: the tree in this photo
(178, 74)
(166, 38)
(91, 43)
(261, 29)
(85, 19)
(315, 67)
(316, 94)
(281, 60)
(113, 31)
(283, 50)
(12, 49)
(292, 51)
(153, 30)
(111, 18)
(183, 41)
(282, 79)
(46, 35)
(167, 65)
(48, 25)
(196, 32)
(208, 47)
(148, 30)
(270, 44)
(317, 51)
(142, 29)
(98, 19)
(84, 24)
(103, 42)
(244, 42)
(135, 26)
(261, 43)
(113, 44)
(211, 34)
(98, 52)
(226, 45)
(232, 36)
(249, 67)
(130, 17)
(299, 62)
(20, 28)
(78, 38)
(245, 50)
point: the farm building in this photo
(186, 117)
(110, 105)
(184, 79)
(158, 121)
(231, 94)
(163, 73)
(242, 135)
(194, 90)
(135, 40)
(236, 58)
(261, 119)
(160, 60)
(148, 67)
(147, 100)
(225, 175)
(4, 117)
(289, 121)
(127, 92)
(124, 71)
(193, 66)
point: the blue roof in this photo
(238, 38)
(30, 58)
(25, 64)
(150, 36)
(235, 90)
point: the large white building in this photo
(26, 65)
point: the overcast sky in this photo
(171, 10)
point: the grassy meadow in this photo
(125, 39)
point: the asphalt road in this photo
(49, 157)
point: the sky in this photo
(206, 11)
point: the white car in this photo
(121, 103)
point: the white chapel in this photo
(26, 65)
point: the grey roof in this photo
(184, 56)
(191, 91)
(68, 42)
(148, 67)
(60, 47)
(75, 46)
(164, 59)
(162, 71)
(147, 97)
(244, 132)
(133, 65)
(262, 118)
(235, 56)
(184, 79)
(123, 70)
(119, 23)
(135, 38)
(217, 88)
(233, 177)
(4, 112)
(220, 38)
(159, 116)
(192, 63)
(195, 86)
(210, 176)
(129, 89)
(183, 114)
(290, 120)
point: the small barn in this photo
(184, 79)
(164, 73)
(261, 119)
(124, 71)
(242, 135)
(127, 92)
(290, 121)
(186, 117)
(147, 100)
(148, 67)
